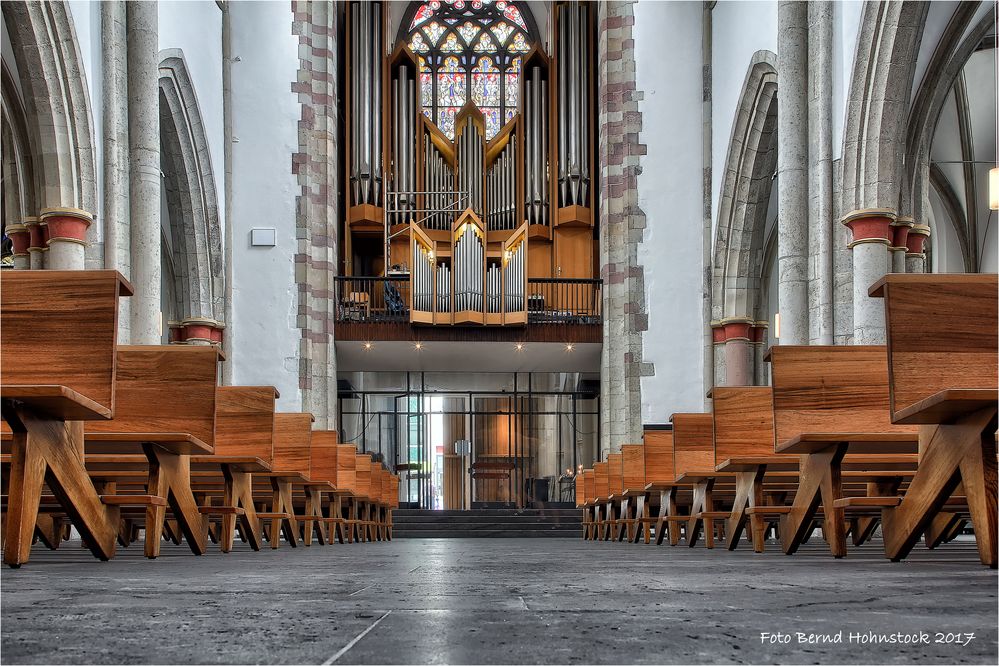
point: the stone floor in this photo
(493, 601)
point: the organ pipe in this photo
(573, 118)
(366, 103)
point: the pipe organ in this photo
(454, 215)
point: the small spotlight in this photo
(367, 345)
(569, 347)
(520, 346)
(419, 346)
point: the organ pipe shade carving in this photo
(366, 52)
(573, 103)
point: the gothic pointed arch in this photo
(878, 104)
(191, 196)
(59, 122)
(745, 195)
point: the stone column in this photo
(792, 169)
(915, 241)
(67, 241)
(202, 331)
(36, 243)
(899, 236)
(758, 336)
(20, 239)
(114, 121)
(820, 175)
(144, 176)
(871, 229)
(718, 344)
(738, 352)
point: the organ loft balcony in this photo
(470, 204)
(468, 282)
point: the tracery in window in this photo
(469, 47)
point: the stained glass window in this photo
(468, 31)
(434, 31)
(452, 38)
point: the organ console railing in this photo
(379, 300)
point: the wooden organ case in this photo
(469, 221)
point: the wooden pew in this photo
(291, 464)
(165, 406)
(589, 501)
(346, 487)
(581, 501)
(325, 463)
(744, 445)
(244, 445)
(830, 401)
(942, 372)
(615, 487)
(694, 466)
(633, 491)
(659, 478)
(58, 360)
(361, 519)
(601, 487)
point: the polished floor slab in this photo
(506, 601)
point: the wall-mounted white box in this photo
(263, 237)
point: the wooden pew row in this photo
(155, 466)
(744, 446)
(942, 373)
(57, 363)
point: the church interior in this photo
(499, 331)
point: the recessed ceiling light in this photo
(419, 346)
(367, 345)
(568, 347)
(520, 346)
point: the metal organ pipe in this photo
(366, 53)
(574, 100)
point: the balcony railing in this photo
(372, 299)
(573, 301)
(558, 301)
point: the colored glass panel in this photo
(485, 44)
(468, 31)
(445, 120)
(519, 44)
(512, 13)
(510, 113)
(426, 87)
(417, 43)
(485, 89)
(434, 31)
(492, 116)
(451, 44)
(422, 14)
(512, 91)
(502, 30)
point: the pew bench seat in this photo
(55, 401)
(947, 406)
(863, 443)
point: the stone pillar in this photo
(915, 241)
(758, 336)
(36, 243)
(899, 236)
(738, 352)
(718, 344)
(114, 121)
(820, 175)
(144, 176)
(201, 331)
(67, 241)
(20, 239)
(871, 233)
(792, 169)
